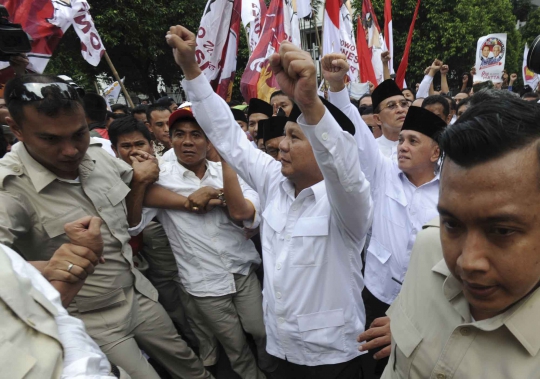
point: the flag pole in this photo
(117, 77)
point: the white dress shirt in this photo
(82, 357)
(387, 147)
(209, 248)
(401, 209)
(313, 308)
(423, 88)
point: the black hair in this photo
(488, 94)
(279, 93)
(166, 101)
(530, 95)
(3, 144)
(139, 109)
(437, 99)
(490, 130)
(115, 116)
(173, 127)
(126, 125)
(451, 102)
(95, 107)
(53, 104)
(120, 107)
(364, 96)
(410, 90)
(156, 107)
(466, 101)
(469, 79)
(367, 110)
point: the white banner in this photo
(303, 8)
(253, 13)
(112, 92)
(529, 78)
(91, 46)
(212, 36)
(490, 58)
(292, 25)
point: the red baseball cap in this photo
(179, 114)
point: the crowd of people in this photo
(312, 237)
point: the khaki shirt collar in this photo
(521, 319)
(42, 177)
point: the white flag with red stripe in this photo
(338, 35)
(388, 35)
(253, 15)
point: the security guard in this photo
(53, 177)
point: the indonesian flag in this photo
(400, 75)
(46, 21)
(253, 15)
(388, 36)
(303, 8)
(258, 80)
(529, 77)
(374, 39)
(367, 74)
(338, 35)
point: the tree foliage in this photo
(531, 28)
(449, 30)
(133, 32)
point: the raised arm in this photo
(385, 58)
(335, 67)
(444, 82)
(215, 118)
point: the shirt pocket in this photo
(116, 195)
(103, 312)
(55, 227)
(322, 332)
(308, 234)
(405, 341)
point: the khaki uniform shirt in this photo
(29, 343)
(35, 205)
(434, 336)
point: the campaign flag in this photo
(46, 21)
(338, 35)
(228, 72)
(529, 78)
(258, 80)
(388, 34)
(367, 73)
(374, 39)
(303, 8)
(253, 15)
(400, 75)
(490, 58)
(112, 92)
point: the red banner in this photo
(400, 75)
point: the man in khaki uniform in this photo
(53, 177)
(470, 302)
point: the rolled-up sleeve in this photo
(147, 216)
(347, 188)
(253, 198)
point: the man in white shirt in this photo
(38, 338)
(389, 110)
(316, 209)
(216, 263)
(405, 191)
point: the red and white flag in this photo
(46, 21)
(253, 15)
(400, 75)
(374, 40)
(388, 36)
(258, 80)
(338, 35)
(217, 44)
(303, 8)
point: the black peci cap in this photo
(260, 106)
(386, 89)
(423, 121)
(239, 115)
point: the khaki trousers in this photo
(227, 317)
(157, 336)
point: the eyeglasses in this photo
(40, 91)
(392, 105)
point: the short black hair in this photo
(437, 99)
(53, 104)
(140, 109)
(173, 127)
(155, 107)
(279, 93)
(490, 130)
(95, 107)
(166, 101)
(3, 144)
(120, 107)
(126, 125)
(364, 96)
(410, 90)
(367, 110)
(466, 101)
(451, 102)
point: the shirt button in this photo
(288, 237)
(441, 376)
(16, 169)
(348, 189)
(281, 320)
(100, 209)
(278, 295)
(465, 332)
(324, 136)
(294, 208)
(278, 266)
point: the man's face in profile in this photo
(490, 229)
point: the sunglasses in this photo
(40, 91)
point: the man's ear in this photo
(377, 119)
(148, 126)
(15, 128)
(435, 153)
(115, 151)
